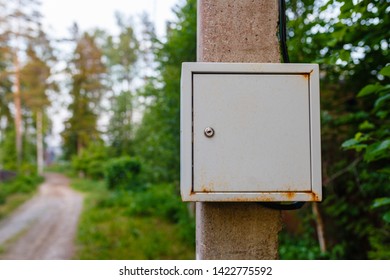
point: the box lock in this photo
(209, 132)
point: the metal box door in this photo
(265, 135)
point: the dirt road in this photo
(44, 227)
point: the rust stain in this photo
(306, 76)
(314, 197)
(205, 190)
(289, 195)
(238, 199)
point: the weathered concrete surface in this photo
(237, 31)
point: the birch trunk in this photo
(40, 161)
(18, 112)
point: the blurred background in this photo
(92, 92)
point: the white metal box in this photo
(250, 132)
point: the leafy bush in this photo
(372, 144)
(123, 173)
(159, 200)
(91, 161)
(2, 195)
(20, 184)
(163, 201)
(151, 223)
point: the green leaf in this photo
(377, 151)
(385, 71)
(381, 100)
(349, 144)
(382, 114)
(379, 202)
(358, 136)
(332, 42)
(366, 125)
(385, 89)
(386, 217)
(361, 137)
(369, 89)
(385, 170)
(347, 6)
(353, 144)
(345, 55)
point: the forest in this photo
(121, 98)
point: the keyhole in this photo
(209, 132)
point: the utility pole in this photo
(237, 31)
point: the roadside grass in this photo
(61, 167)
(15, 192)
(147, 224)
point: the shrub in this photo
(123, 173)
(20, 184)
(163, 201)
(2, 195)
(90, 162)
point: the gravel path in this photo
(44, 227)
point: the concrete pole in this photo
(237, 31)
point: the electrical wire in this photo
(284, 206)
(283, 31)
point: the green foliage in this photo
(123, 54)
(34, 77)
(8, 149)
(118, 225)
(163, 201)
(303, 247)
(87, 70)
(25, 63)
(349, 39)
(120, 130)
(8, 154)
(91, 161)
(372, 143)
(63, 167)
(15, 192)
(123, 173)
(21, 184)
(157, 138)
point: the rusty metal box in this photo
(250, 132)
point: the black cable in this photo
(284, 206)
(283, 31)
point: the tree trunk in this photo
(18, 112)
(40, 161)
(320, 227)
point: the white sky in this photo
(60, 14)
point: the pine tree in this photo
(20, 23)
(35, 84)
(87, 72)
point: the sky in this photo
(59, 16)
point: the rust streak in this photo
(289, 195)
(314, 197)
(306, 76)
(206, 190)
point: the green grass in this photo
(16, 192)
(61, 167)
(147, 224)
